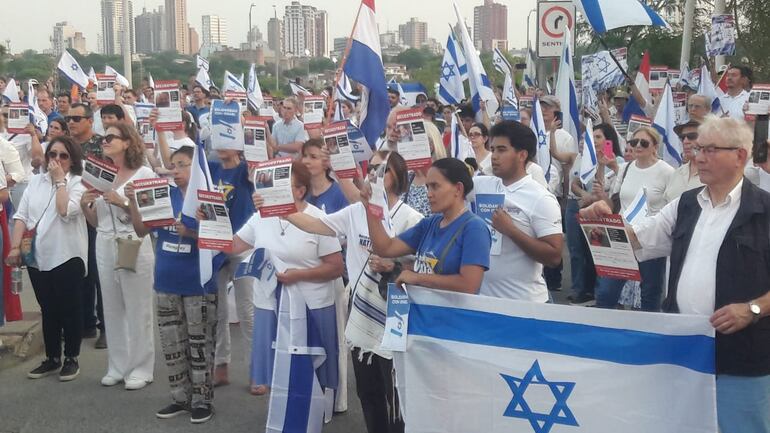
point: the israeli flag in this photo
(120, 79)
(150, 81)
(589, 162)
(530, 74)
(706, 87)
(482, 364)
(254, 91)
(200, 62)
(502, 64)
(11, 92)
(638, 209)
(459, 145)
(297, 89)
(36, 115)
(402, 96)
(509, 93)
(685, 76)
(454, 71)
(72, 70)
(601, 72)
(200, 179)
(543, 153)
(665, 121)
(565, 90)
(345, 89)
(481, 88)
(604, 15)
(232, 83)
(203, 79)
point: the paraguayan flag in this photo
(482, 364)
(454, 71)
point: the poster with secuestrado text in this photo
(340, 151)
(169, 107)
(226, 127)
(143, 125)
(241, 97)
(18, 118)
(214, 230)
(610, 247)
(255, 141)
(99, 174)
(153, 199)
(105, 89)
(413, 142)
(636, 122)
(658, 78)
(759, 99)
(313, 111)
(272, 180)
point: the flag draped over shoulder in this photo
(604, 15)
(481, 364)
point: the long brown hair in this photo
(76, 154)
(134, 157)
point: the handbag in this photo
(28, 238)
(616, 197)
(126, 249)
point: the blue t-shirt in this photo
(331, 200)
(177, 270)
(196, 112)
(428, 239)
(235, 184)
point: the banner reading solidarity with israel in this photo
(482, 364)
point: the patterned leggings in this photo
(187, 328)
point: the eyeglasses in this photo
(110, 137)
(639, 142)
(57, 155)
(475, 135)
(711, 150)
(692, 136)
(76, 119)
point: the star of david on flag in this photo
(447, 71)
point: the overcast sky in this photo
(28, 29)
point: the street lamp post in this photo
(249, 34)
(528, 20)
(307, 54)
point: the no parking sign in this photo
(552, 19)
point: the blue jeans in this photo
(653, 273)
(743, 404)
(581, 265)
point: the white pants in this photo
(244, 308)
(128, 311)
(341, 294)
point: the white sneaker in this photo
(108, 380)
(133, 384)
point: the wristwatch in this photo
(755, 311)
(126, 203)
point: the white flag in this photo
(665, 121)
(565, 90)
(254, 91)
(200, 62)
(203, 79)
(481, 88)
(123, 81)
(150, 81)
(11, 91)
(72, 70)
(589, 162)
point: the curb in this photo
(20, 340)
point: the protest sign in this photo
(272, 180)
(759, 99)
(143, 125)
(658, 78)
(255, 141)
(396, 319)
(680, 107)
(360, 147)
(99, 174)
(413, 142)
(18, 118)
(105, 89)
(154, 202)
(526, 102)
(241, 97)
(214, 230)
(340, 152)
(612, 252)
(226, 127)
(267, 108)
(313, 113)
(720, 41)
(169, 107)
(635, 123)
(378, 203)
(485, 206)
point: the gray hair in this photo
(706, 99)
(734, 132)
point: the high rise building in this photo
(213, 31)
(193, 40)
(150, 35)
(254, 38)
(490, 23)
(306, 30)
(112, 27)
(321, 34)
(414, 34)
(62, 32)
(274, 34)
(78, 43)
(177, 33)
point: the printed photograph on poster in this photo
(658, 77)
(267, 108)
(168, 104)
(154, 202)
(255, 140)
(610, 247)
(340, 151)
(241, 97)
(214, 230)
(759, 99)
(636, 122)
(273, 180)
(680, 108)
(526, 102)
(105, 89)
(99, 174)
(18, 118)
(413, 142)
(143, 125)
(313, 111)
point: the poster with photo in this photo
(272, 180)
(413, 142)
(267, 108)
(340, 150)
(226, 127)
(610, 247)
(99, 174)
(18, 118)
(636, 122)
(255, 140)
(526, 102)
(358, 144)
(680, 107)
(241, 97)
(759, 99)
(143, 125)
(658, 77)
(168, 104)
(214, 230)
(105, 89)
(313, 111)
(153, 199)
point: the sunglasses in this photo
(692, 136)
(57, 155)
(75, 119)
(639, 142)
(110, 137)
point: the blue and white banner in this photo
(36, 115)
(720, 41)
(120, 79)
(530, 74)
(600, 72)
(72, 70)
(604, 15)
(565, 89)
(665, 121)
(297, 89)
(345, 89)
(589, 162)
(706, 87)
(454, 71)
(226, 126)
(543, 152)
(638, 209)
(483, 364)
(459, 145)
(254, 94)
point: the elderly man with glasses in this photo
(698, 107)
(718, 239)
(686, 176)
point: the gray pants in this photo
(187, 332)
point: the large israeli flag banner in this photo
(482, 364)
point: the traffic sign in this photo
(553, 17)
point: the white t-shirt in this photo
(122, 220)
(351, 222)
(485, 166)
(297, 250)
(653, 178)
(537, 174)
(733, 105)
(513, 274)
(23, 145)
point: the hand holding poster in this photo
(272, 180)
(99, 174)
(612, 252)
(214, 230)
(413, 142)
(226, 127)
(154, 202)
(169, 107)
(340, 152)
(255, 141)
(267, 107)
(143, 125)
(485, 207)
(105, 89)
(378, 203)
(18, 118)
(241, 97)
(313, 112)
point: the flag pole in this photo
(338, 74)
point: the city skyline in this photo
(391, 14)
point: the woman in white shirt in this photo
(313, 262)
(479, 137)
(59, 256)
(127, 294)
(647, 172)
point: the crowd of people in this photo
(704, 247)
